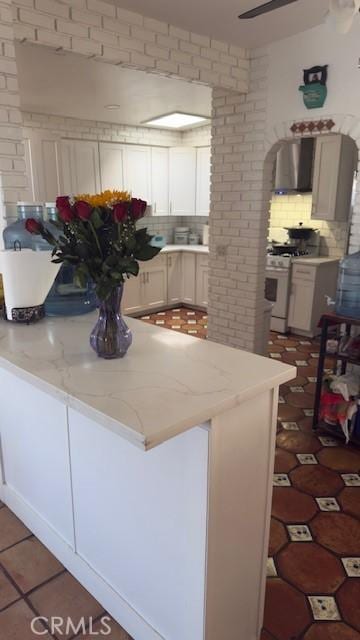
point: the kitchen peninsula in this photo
(150, 478)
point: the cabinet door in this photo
(326, 172)
(42, 165)
(80, 166)
(175, 280)
(132, 297)
(154, 281)
(202, 280)
(301, 304)
(203, 157)
(137, 171)
(189, 277)
(160, 181)
(182, 180)
(112, 165)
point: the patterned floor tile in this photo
(352, 567)
(296, 565)
(338, 532)
(306, 458)
(281, 480)
(271, 568)
(351, 479)
(328, 504)
(278, 537)
(348, 598)
(331, 631)
(299, 533)
(324, 608)
(286, 611)
(316, 480)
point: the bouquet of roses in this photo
(97, 235)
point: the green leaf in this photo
(96, 219)
(146, 252)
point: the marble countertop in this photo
(193, 248)
(167, 383)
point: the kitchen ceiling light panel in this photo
(176, 120)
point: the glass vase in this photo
(111, 337)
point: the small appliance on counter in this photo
(27, 278)
(181, 235)
(194, 238)
(205, 234)
(158, 241)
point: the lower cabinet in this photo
(202, 280)
(170, 279)
(175, 279)
(189, 277)
(149, 289)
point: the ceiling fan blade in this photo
(265, 8)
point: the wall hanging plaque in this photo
(314, 89)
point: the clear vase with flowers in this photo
(97, 235)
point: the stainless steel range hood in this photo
(294, 167)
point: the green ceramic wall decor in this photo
(314, 89)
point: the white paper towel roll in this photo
(27, 278)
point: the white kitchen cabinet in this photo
(80, 167)
(203, 171)
(137, 171)
(132, 299)
(335, 163)
(175, 279)
(42, 161)
(202, 280)
(189, 277)
(310, 285)
(149, 289)
(160, 181)
(112, 165)
(182, 181)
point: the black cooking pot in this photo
(300, 232)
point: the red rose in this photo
(66, 214)
(138, 208)
(121, 210)
(33, 226)
(62, 202)
(83, 210)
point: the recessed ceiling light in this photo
(176, 120)
(112, 107)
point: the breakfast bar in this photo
(148, 477)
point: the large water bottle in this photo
(66, 298)
(348, 289)
(15, 235)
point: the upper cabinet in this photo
(42, 165)
(182, 180)
(80, 167)
(112, 166)
(137, 171)
(160, 181)
(203, 155)
(333, 177)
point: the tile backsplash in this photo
(286, 211)
(165, 225)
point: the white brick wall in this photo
(12, 166)
(241, 183)
(100, 30)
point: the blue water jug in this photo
(66, 298)
(15, 234)
(348, 289)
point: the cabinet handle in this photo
(170, 206)
(148, 277)
(155, 207)
(170, 262)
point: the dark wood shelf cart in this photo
(331, 322)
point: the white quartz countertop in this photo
(167, 383)
(194, 248)
(315, 262)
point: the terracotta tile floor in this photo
(313, 588)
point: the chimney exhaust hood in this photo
(294, 167)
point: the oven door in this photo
(277, 290)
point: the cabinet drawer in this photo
(302, 272)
